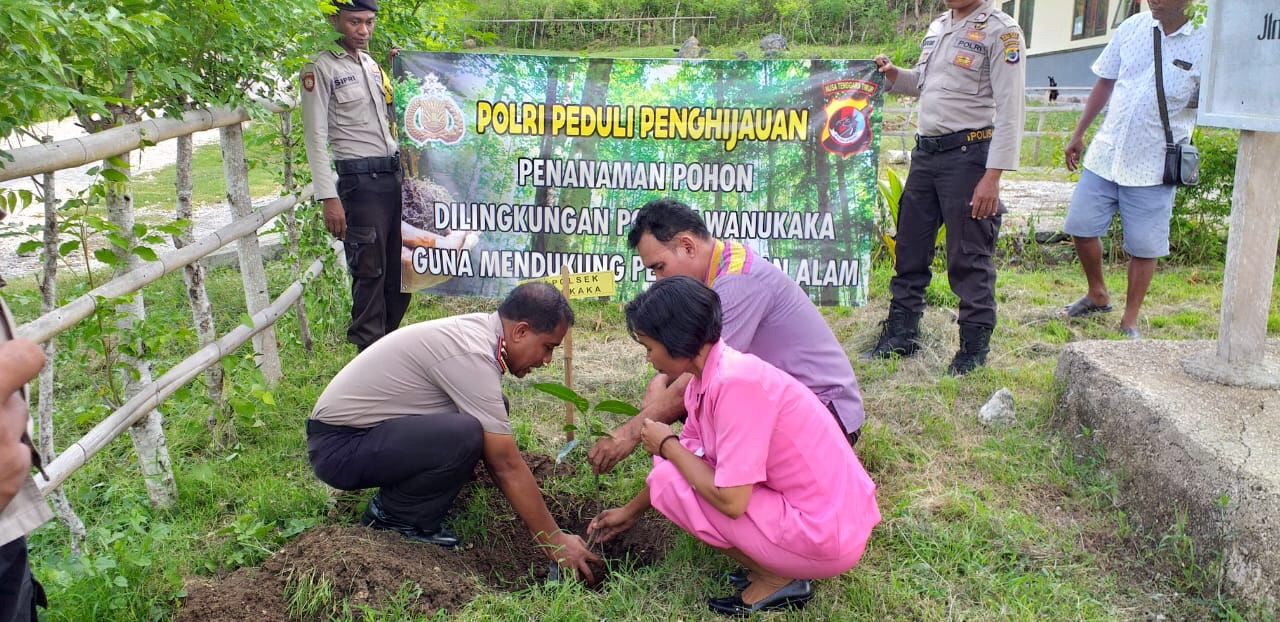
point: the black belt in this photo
(947, 142)
(387, 164)
(319, 427)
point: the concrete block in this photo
(1180, 444)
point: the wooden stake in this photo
(235, 168)
(568, 356)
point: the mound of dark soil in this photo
(363, 566)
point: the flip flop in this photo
(1085, 307)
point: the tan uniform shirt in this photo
(448, 365)
(970, 75)
(344, 108)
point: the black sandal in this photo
(1085, 307)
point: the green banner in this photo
(519, 165)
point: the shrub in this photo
(1197, 233)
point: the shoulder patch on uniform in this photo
(1012, 42)
(309, 81)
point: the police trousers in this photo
(372, 204)
(419, 463)
(19, 591)
(937, 192)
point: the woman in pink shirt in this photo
(758, 471)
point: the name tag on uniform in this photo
(342, 81)
(977, 48)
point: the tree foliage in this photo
(111, 61)
(830, 22)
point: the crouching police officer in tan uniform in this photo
(970, 80)
(345, 109)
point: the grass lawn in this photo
(978, 524)
(153, 192)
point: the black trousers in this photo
(938, 190)
(372, 203)
(419, 463)
(19, 591)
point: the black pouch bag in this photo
(1181, 160)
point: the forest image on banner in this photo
(517, 165)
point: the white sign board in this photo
(1241, 85)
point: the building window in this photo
(1126, 9)
(1008, 7)
(1024, 20)
(1090, 19)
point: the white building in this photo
(1065, 36)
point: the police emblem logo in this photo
(1012, 55)
(309, 81)
(847, 130)
(433, 115)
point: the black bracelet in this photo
(664, 442)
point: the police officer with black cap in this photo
(970, 81)
(346, 102)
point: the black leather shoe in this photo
(738, 579)
(793, 595)
(376, 518)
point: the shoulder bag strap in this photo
(1164, 107)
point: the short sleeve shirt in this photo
(754, 424)
(766, 314)
(442, 366)
(1129, 147)
(971, 75)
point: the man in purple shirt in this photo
(765, 314)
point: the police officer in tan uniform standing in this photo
(345, 110)
(970, 80)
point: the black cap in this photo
(358, 5)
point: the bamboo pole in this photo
(51, 324)
(568, 356)
(235, 167)
(49, 300)
(37, 159)
(156, 392)
(193, 275)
